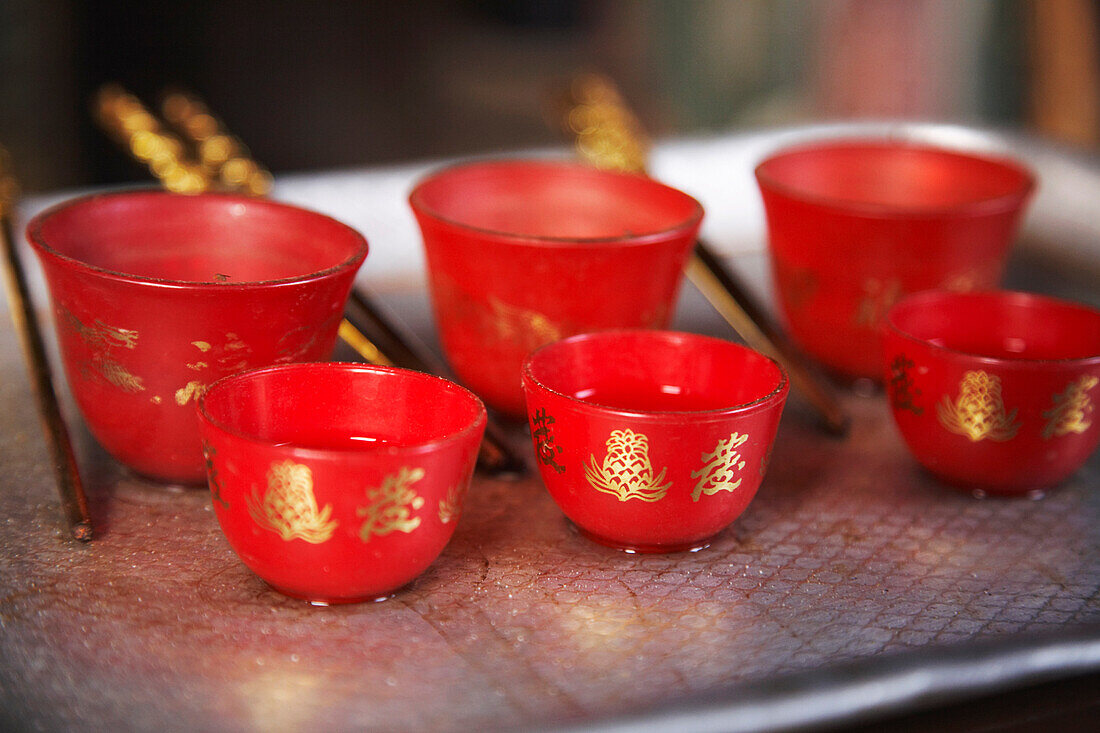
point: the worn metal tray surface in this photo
(854, 585)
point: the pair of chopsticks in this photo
(609, 135)
(74, 503)
(189, 150)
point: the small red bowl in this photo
(521, 253)
(995, 391)
(853, 225)
(338, 482)
(156, 295)
(652, 441)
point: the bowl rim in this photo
(36, 239)
(418, 448)
(975, 207)
(755, 405)
(942, 298)
(415, 199)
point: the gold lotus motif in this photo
(626, 472)
(978, 412)
(289, 508)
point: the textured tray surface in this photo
(849, 554)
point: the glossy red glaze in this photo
(339, 482)
(652, 441)
(522, 253)
(156, 295)
(995, 391)
(855, 225)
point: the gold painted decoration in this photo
(797, 284)
(720, 468)
(208, 453)
(626, 472)
(289, 508)
(978, 412)
(450, 506)
(524, 326)
(545, 449)
(102, 340)
(901, 389)
(192, 389)
(392, 505)
(878, 296)
(1071, 409)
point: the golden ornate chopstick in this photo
(74, 503)
(200, 149)
(609, 135)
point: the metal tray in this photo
(854, 587)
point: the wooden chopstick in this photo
(74, 503)
(609, 135)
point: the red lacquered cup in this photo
(522, 253)
(995, 391)
(855, 225)
(156, 295)
(338, 483)
(652, 441)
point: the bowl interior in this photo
(546, 200)
(894, 176)
(208, 238)
(341, 406)
(1014, 326)
(651, 371)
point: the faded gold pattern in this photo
(878, 297)
(798, 285)
(208, 453)
(450, 506)
(901, 387)
(102, 339)
(546, 451)
(978, 412)
(1071, 409)
(524, 326)
(391, 505)
(720, 467)
(231, 356)
(626, 472)
(289, 507)
(190, 390)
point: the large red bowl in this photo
(855, 225)
(995, 391)
(522, 253)
(652, 441)
(156, 295)
(339, 482)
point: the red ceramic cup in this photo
(339, 482)
(522, 253)
(156, 295)
(854, 225)
(995, 391)
(652, 441)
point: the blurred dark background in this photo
(338, 84)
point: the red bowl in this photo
(652, 441)
(995, 391)
(156, 295)
(522, 253)
(855, 225)
(338, 482)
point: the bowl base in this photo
(633, 548)
(320, 600)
